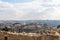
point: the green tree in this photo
(58, 26)
(5, 29)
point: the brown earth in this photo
(16, 36)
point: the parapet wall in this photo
(12, 36)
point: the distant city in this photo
(29, 25)
(30, 29)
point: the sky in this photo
(29, 9)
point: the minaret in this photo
(24, 23)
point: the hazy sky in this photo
(29, 9)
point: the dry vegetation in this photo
(27, 36)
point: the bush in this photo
(58, 26)
(5, 29)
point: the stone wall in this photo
(8, 36)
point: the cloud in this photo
(35, 10)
